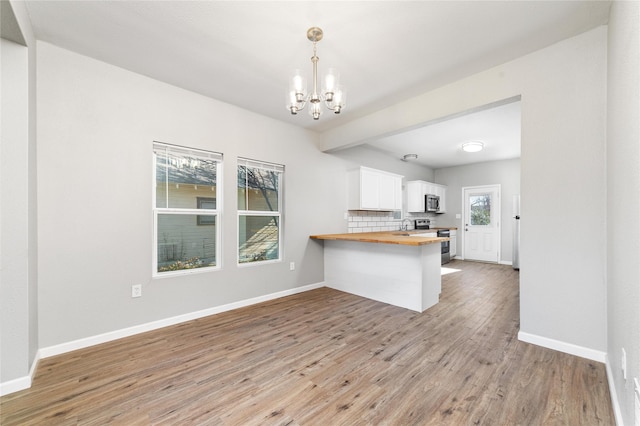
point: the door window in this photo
(480, 209)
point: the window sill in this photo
(183, 272)
(258, 262)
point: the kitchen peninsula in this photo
(399, 268)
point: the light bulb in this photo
(315, 111)
(331, 81)
(298, 83)
(339, 100)
(292, 102)
(340, 97)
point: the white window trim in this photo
(257, 164)
(156, 211)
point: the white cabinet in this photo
(452, 243)
(441, 191)
(368, 189)
(417, 189)
(371, 189)
(415, 195)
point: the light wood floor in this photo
(328, 358)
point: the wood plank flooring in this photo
(328, 358)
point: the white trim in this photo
(258, 263)
(185, 150)
(182, 272)
(617, 412)
(279, 170)
(154, 325)
(565, 347)
(498, 188)
(505, 262)
(20, 383)
(259, 164)
(15, 385)
(157, 211)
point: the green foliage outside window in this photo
(480, 209)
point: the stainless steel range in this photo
(422, 223)
(445, 246)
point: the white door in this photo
(482, 223)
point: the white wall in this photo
(368, 157)
(18, 204)
(95, 130)
(563, 98)
(14, 248)
(623, 200)
(506, 173)
(96, 125)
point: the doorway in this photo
(481, 238)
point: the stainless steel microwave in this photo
(431, 203)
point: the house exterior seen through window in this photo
(186, 209)
(259, 211)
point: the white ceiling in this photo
(243, 52)
(439, 144)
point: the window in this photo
(186, 206)
(259, 211)
(206, 203)
(480, 205)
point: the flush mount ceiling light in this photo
(473, 146)
(408, 157)
(332, 95)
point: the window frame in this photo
(159, 147)
(264, 165)
(202, 218)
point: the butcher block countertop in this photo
(407, 238)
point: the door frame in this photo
(498, 188)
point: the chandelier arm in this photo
(335, 108)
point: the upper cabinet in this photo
(441, 191)
(417, 189)
(371, 189)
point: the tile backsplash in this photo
(372, 221)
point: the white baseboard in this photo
(154, 325)
(500, 262)
(20, 383)
(614, 395)
(15, 385)
(565, 347)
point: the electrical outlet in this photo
(292, 266)
(136, 290)
(623, 364)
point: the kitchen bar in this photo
(399, 268)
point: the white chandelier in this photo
(332, 94)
